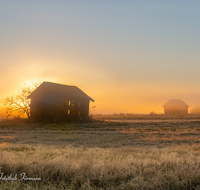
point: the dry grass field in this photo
(101, 155)
(150, 116)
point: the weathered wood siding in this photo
(84, 111)
(56, 108)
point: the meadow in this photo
(157, 154)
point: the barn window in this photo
(68, 112)
(69, 103)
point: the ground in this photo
(145, 154)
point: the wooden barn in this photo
(54, 102)
(175, 106)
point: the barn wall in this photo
(57, 108)
(176, 110)
(84, 109)
(43, 107)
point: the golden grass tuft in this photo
(138, 168)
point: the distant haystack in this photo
(175, 106)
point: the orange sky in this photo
(117, 98)
(130, 57)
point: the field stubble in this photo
(102, 155)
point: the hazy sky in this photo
(129, 56)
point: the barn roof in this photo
(175, 103)
(65, 90)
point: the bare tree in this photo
(19, 103)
